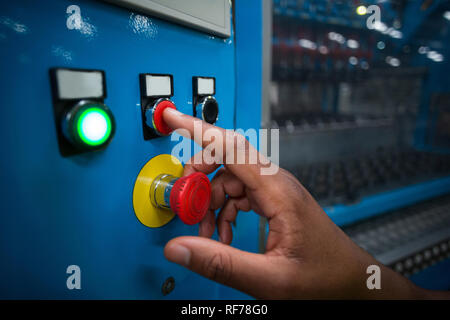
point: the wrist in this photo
(394, 286)
(370, 279)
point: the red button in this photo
(158, 121)
(190, 197)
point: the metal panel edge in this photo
(170, 14)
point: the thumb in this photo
(244, 271)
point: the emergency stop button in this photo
(160, 192)
(188, 197)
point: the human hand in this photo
(307, 255)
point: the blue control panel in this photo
(63, 210)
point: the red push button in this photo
(155, 114)
(190, 197)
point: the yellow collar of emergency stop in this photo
(145, 211)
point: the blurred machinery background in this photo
(363, 109)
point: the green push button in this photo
(89, 125)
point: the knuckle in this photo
(218, 267)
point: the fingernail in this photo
(179, 254)
(174, 112)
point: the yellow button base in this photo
(148, 214)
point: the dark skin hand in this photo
(307, 256)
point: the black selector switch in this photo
(208, 109)
(156, 91)
(205, 105)
(83, 122)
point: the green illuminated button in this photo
(94, 126)
(89, 125)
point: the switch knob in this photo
(188, 197)
(208, 109)
(154, 116)
(88, 125)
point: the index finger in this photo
(227, 145)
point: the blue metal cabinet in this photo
(59, 211)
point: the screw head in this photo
(168, 286)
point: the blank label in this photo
(205, 86)
(158, 85)
(79, 84)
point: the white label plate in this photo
(158, 85)
(74, 84)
